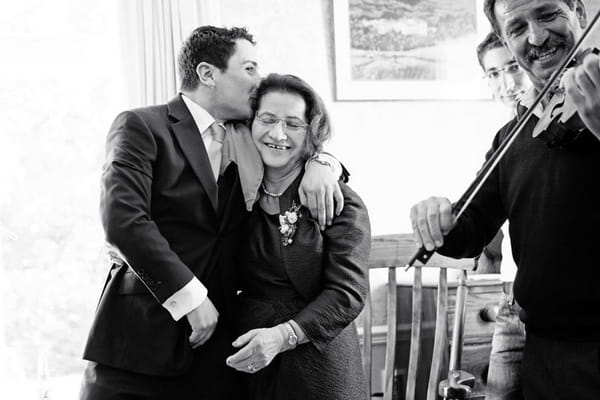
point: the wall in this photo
(398, 152)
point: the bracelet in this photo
(292, 338)
(315, 158)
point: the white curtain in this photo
(151, 34)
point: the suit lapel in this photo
(185, 130)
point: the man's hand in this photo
(203, 320)
(583, 86)
(260, 347)
(431, 220)
(319, 191)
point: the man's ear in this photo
(581, 14)
(206, 74)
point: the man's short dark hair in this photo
(490, 12)
(490, 42)
(207, 44)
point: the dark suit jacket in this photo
(163, 211)
(329, 268)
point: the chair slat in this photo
(390, 351)
(441, 336)
(415, 334)
(367, 350)
(459, 322)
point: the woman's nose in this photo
(277, 132)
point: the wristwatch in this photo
(292, 337)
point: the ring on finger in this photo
(251, 367)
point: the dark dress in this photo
(319, 280)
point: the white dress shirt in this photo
(194, 292)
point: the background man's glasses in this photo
(495, 73)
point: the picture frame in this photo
(408, 50)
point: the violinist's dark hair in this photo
(319, 123)
(207, 44)
(490, 42)
(489, 5)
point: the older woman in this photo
(301, 287)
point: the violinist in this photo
(508, 82)
(548, 190)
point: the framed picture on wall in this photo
(408, 49)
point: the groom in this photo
(172, 203)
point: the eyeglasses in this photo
(291, 125)
(495, 73)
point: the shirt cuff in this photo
(186, 299)
(336, 166)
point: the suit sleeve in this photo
(347, 246)
(125, 207)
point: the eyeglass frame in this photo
(285, 126)
(504, 70)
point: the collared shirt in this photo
(194, 292)
(202, 119)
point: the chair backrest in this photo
(392, 252)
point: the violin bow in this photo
(422, 255)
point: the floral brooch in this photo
(288, 224)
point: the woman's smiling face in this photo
(279, 130)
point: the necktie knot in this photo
(218, 132)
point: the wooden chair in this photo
(392, 252)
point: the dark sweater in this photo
(551, 197)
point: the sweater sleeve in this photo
(480, 222)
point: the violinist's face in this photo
(506, 79)
(540, 33)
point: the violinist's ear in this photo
(581, 14)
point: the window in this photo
(60, 79)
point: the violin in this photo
(560, 124)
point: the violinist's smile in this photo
(540, 33)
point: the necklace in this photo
(270, 194)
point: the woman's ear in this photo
(206, 75)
